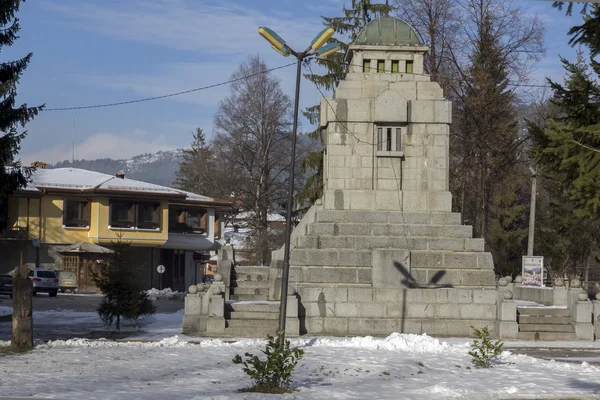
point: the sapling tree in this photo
(118, 281)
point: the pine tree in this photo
(12, 175)
(194, 170)
(349, 25)
(119, 282)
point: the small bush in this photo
(484, 352)
(273, 375)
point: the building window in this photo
(395, 66)
(409, 67)
(366, 65)
(76, 213)
(148, 215)
(380, 66)
(122, 214)
(389, 139)
(182, 220)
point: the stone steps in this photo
(238, 284)
(528, 319)
(389, 229)
(545, 328)
(423, 259)
(248, 315)
(253, 306)
(393, 217)
(390, 242)
(545, 323)
(270, 324)
(541, 311)
(546, 336)
(248, 297)
(250, 290)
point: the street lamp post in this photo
(320, 49)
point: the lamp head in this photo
(321, 38)
(273, 38)
(328, 49)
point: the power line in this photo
(167, 95)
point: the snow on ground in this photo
(399, 366)
(174, 366)
(164, 294)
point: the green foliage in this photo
(119, 282)
(194, 168)
(274, 374)
(508, 227)
(484, 352)
(12, 175)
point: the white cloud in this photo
(222, 27)
(103, 145)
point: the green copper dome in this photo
(387, 31)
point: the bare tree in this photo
(436, 22)
(252, 142)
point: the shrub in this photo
(273, 375)
(484, 352)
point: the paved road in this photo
(85, 302)
(570, 355)
(80, 320)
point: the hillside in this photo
(159, 168)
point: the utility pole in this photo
(73, 146)
(532, 211)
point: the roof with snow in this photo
(81, 180)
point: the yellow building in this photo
(165, 226)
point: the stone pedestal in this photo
(596, 316)
(192, 319)
(582, 320)
(560, 296)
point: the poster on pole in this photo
(533, 271)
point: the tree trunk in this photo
(22, 321)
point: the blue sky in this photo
(91, 52)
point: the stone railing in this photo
(584, 313)
(205, 308)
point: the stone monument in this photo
(382, 252)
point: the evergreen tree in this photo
(349, 26)
(12, 175)
(194, 173)
(119, 282)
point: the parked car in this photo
(6, 285)
(67, 280)
(44, 280)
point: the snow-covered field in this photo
(161, 363)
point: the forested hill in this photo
(159, 168)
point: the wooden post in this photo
(22, 320)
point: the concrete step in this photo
(250, 276)
(252, 270)
(528, 319)
(541, 311)
(545, 328)
(394, 217)
(250, 332)
(389, 242)
(249, 284)
(249, 297)
(253, 306)
(253, 323)
(249, 290)
(387, 229)
(234, 315)
(546, 336)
